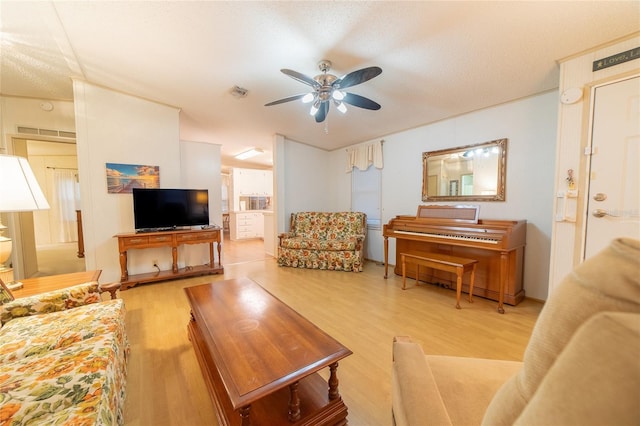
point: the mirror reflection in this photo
(467, 173)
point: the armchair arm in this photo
(52, 301)
(416, 399)
(112, 288)
(284, 235)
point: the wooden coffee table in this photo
(260, 358)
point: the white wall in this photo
(307, 180)
(573, 136)
(530, 126)
(115, 128)
(200, 165)
(16, 112)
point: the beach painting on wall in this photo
(122, 178)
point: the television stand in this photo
(173, 239)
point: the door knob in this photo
(600, 196)
(599, 213)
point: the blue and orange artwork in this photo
(122, 178)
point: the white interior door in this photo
(613, 207)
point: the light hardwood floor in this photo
(361, 310)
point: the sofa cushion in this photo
(313, 244)
(327, 225)
(78, 384)
(609, 281)
(467, 385)
(57, 300)
(35, 335)
(597, 377)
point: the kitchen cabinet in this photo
(245, 225)
(249, 183)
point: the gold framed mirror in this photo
(467, 173)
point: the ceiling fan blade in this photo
(300, 77)
(323, 110)
(289, 99)
(360, 101)
(357, 77)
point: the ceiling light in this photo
(309, 97)
(248, 154)
(342, 107)
(314, 107)
(338, 95)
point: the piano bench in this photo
(442, 262)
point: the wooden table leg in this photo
(124, 273)
(404, 272)
(174, 254)
(471, 281)
(459, 272)
(244, 416)
(333, 382)
(294, 403)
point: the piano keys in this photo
(498, 245)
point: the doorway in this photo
(48, 239)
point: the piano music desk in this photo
(442, 262)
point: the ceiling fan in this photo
(327, 89)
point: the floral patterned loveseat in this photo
(63, 357)
(324, 240)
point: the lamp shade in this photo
(19, 189)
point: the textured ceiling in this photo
(439, 59)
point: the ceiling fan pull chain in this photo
(326, 126)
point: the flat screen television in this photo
(165, 209)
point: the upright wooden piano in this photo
(498, 245)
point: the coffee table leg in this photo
(244, 415)
(333, 382)
(294, 403)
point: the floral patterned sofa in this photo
(63, 357)
(324, 240)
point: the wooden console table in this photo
(172, 239)
(260, 358)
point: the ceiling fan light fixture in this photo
(248, 154)
(315, 107)
(327, 89)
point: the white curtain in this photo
(66, 199)
(362, 156)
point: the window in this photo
(365, 194)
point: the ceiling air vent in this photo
(46, 132)
(239, 92)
